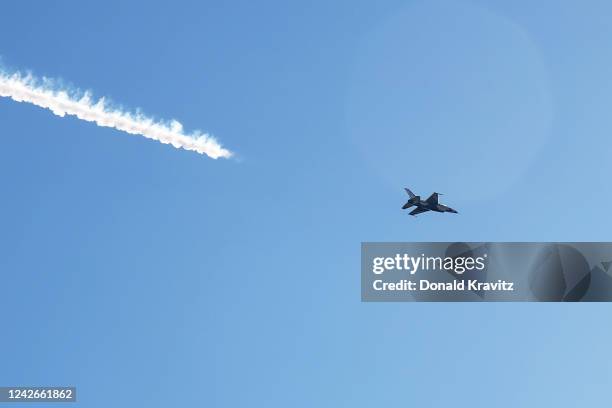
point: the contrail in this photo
(44, 93)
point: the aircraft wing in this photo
(418, 211)
(433, 199)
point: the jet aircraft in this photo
(431, 204)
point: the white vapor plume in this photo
(60, 101)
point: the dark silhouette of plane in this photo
(431, 204)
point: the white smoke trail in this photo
(44, 93)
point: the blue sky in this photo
(150, 276)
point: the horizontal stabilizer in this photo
(418, 210)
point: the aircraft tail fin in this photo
(410, 193)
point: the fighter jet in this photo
(431, 204)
